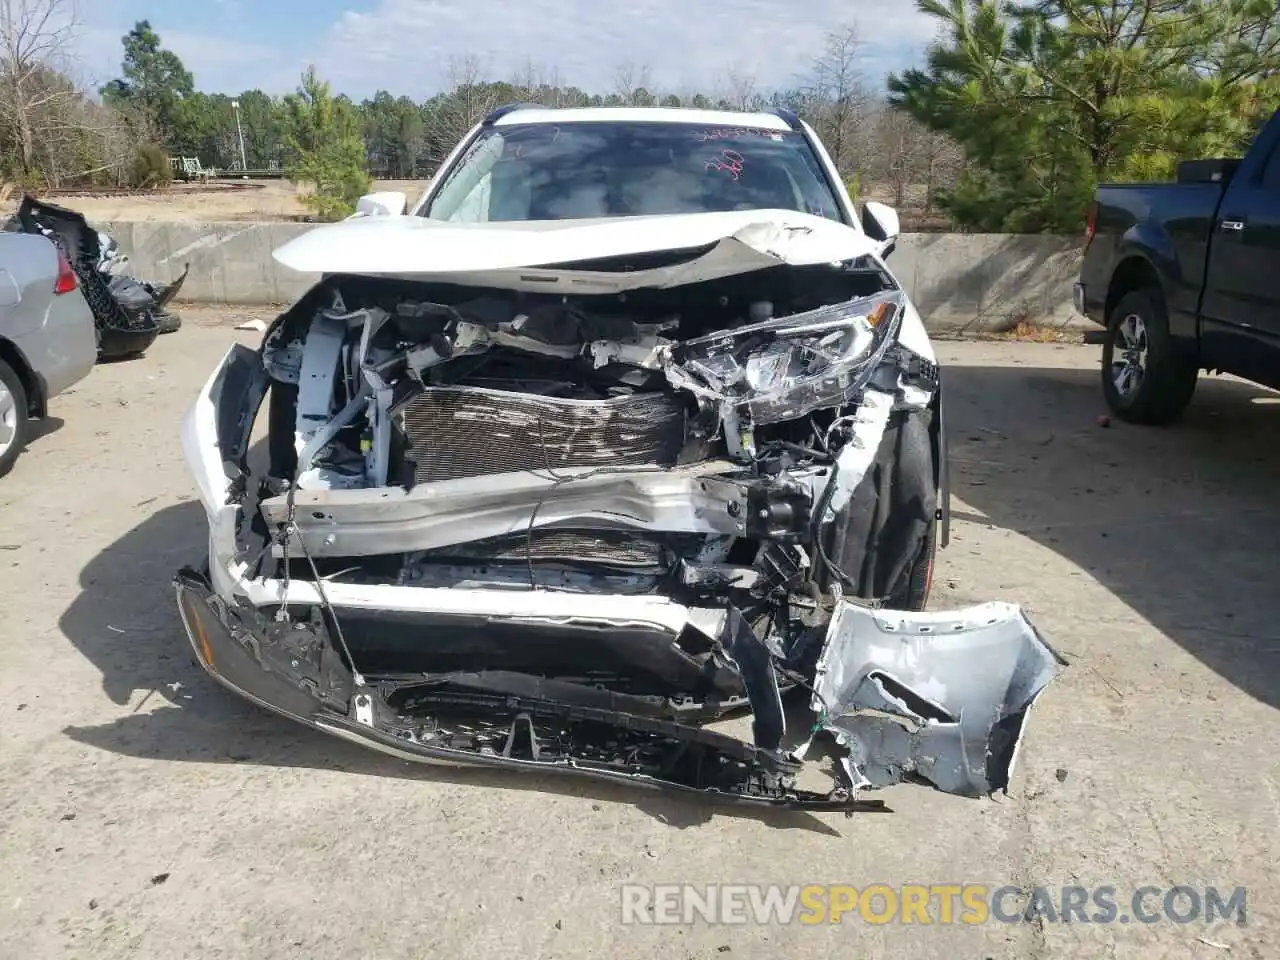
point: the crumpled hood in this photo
(415, 246)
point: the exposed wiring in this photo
(837, 422)
(819, 511)
(333, 614)
(287, 531)
(800, 449)
(818, 434)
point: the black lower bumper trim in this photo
(430, 721)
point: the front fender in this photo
(215, 440)
(1146, 249)
(941, 463)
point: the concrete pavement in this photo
(149, 813)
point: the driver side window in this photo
(474, 207)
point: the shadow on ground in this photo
(126, 623)
(45, 427)
(1178, 522)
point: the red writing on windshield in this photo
(727, 161)
(734, 133)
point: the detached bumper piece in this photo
(484, 718)
(940, 697)
(125, 328)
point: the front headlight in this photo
(786, 368)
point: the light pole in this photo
(244, 164)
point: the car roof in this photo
(689, 115)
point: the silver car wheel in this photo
(1129, 356)
(8, 419)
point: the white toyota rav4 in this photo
(623, 428)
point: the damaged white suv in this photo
(623, 428)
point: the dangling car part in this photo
(128, 314)
(558, 495)
(136, 294)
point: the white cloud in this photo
(405, 45)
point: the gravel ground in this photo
(147, 812)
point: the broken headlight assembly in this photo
(786, 368)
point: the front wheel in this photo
(881, 546)
(1146, 378)
(914, 593)
(15, 423)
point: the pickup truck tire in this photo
(1145, 378)
(15, 424)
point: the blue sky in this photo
(406, 46)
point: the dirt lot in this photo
(221, 201)
(149, 813)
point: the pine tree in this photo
(1051, 96)
(322, 137)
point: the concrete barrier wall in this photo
(959, 282)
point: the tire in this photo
(884, 540)
(914, 595)
(167, 322)
(15, 422)
(1146, 378)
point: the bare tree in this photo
(541, 85)
(741, 90)
(86, 132)
(528, 77)
(908, 163)
(898, 139)
(633, 84)
(837, 98)
(550, 91)
(943, 160)
(34, 35)
(467, 100)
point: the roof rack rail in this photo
(497, 113)
(788, 117)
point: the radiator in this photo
(619, 549)
(457, 432)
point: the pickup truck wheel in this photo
(1145, 378)
(15, 425)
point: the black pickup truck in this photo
(1186, 277)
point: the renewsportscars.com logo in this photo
(969, 903)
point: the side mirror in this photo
(881, 223)
(392, 203)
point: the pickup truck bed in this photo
(1186, 277)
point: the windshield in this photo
(569, 171)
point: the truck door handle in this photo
(1233, 225)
